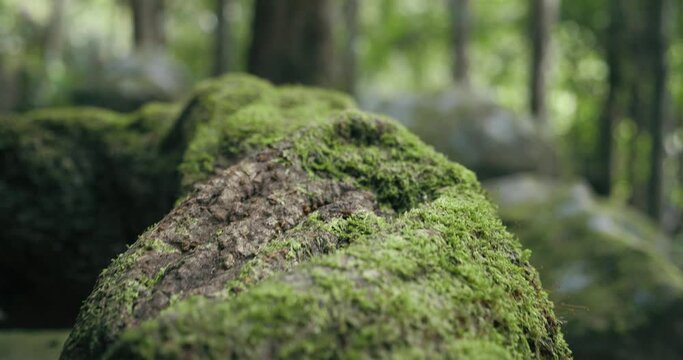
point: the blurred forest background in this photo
(599, 76)
(557, 105)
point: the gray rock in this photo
(606, 267)
(127, 83)
(471, 128)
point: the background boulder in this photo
(126, 84)
(605, 266)
(472, 129)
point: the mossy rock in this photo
(604, 265)
(346, 238)
(75, 185)
(80, 184)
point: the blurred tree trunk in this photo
(224, 46)
(292, 42)
(678, 227)
(461, 24)
(659, 42)
(350, 52)
(148, 23)
(602, 178)
(9, 89)
(543, 17)
(54, 34)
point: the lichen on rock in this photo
(319, 237)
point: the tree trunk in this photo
(543, 14)
(54, 35)
(292, 42)
(658, 27)
(8, 97)
(350, 52)
(461, 23)
(224, 46)
(602, 180)
(148, 23)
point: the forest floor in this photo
(31, 344)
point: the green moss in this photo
(434, 274)
(275, 115)
(159, 246)
(211, 101)
(391, 162)
(437, 279)
(155, 119)
(311, 237)
(442, 273)
(95, 320)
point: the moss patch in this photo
(239, 126)
(442, 277)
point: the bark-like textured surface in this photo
(345, 238)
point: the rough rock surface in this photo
(606, 267)
(345, 238)
(472, 129)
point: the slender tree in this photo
(602, 178)
(461, 23)
(543, 16)
(292, 42)
(659, 42)
(148, 23)
(350, 54)
(224, 46)
(6, 83)
(54, 34)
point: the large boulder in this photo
(471, 128)
(604, 265)
(318, 237)
(80, 184)
(128, 83)
(76, 186)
